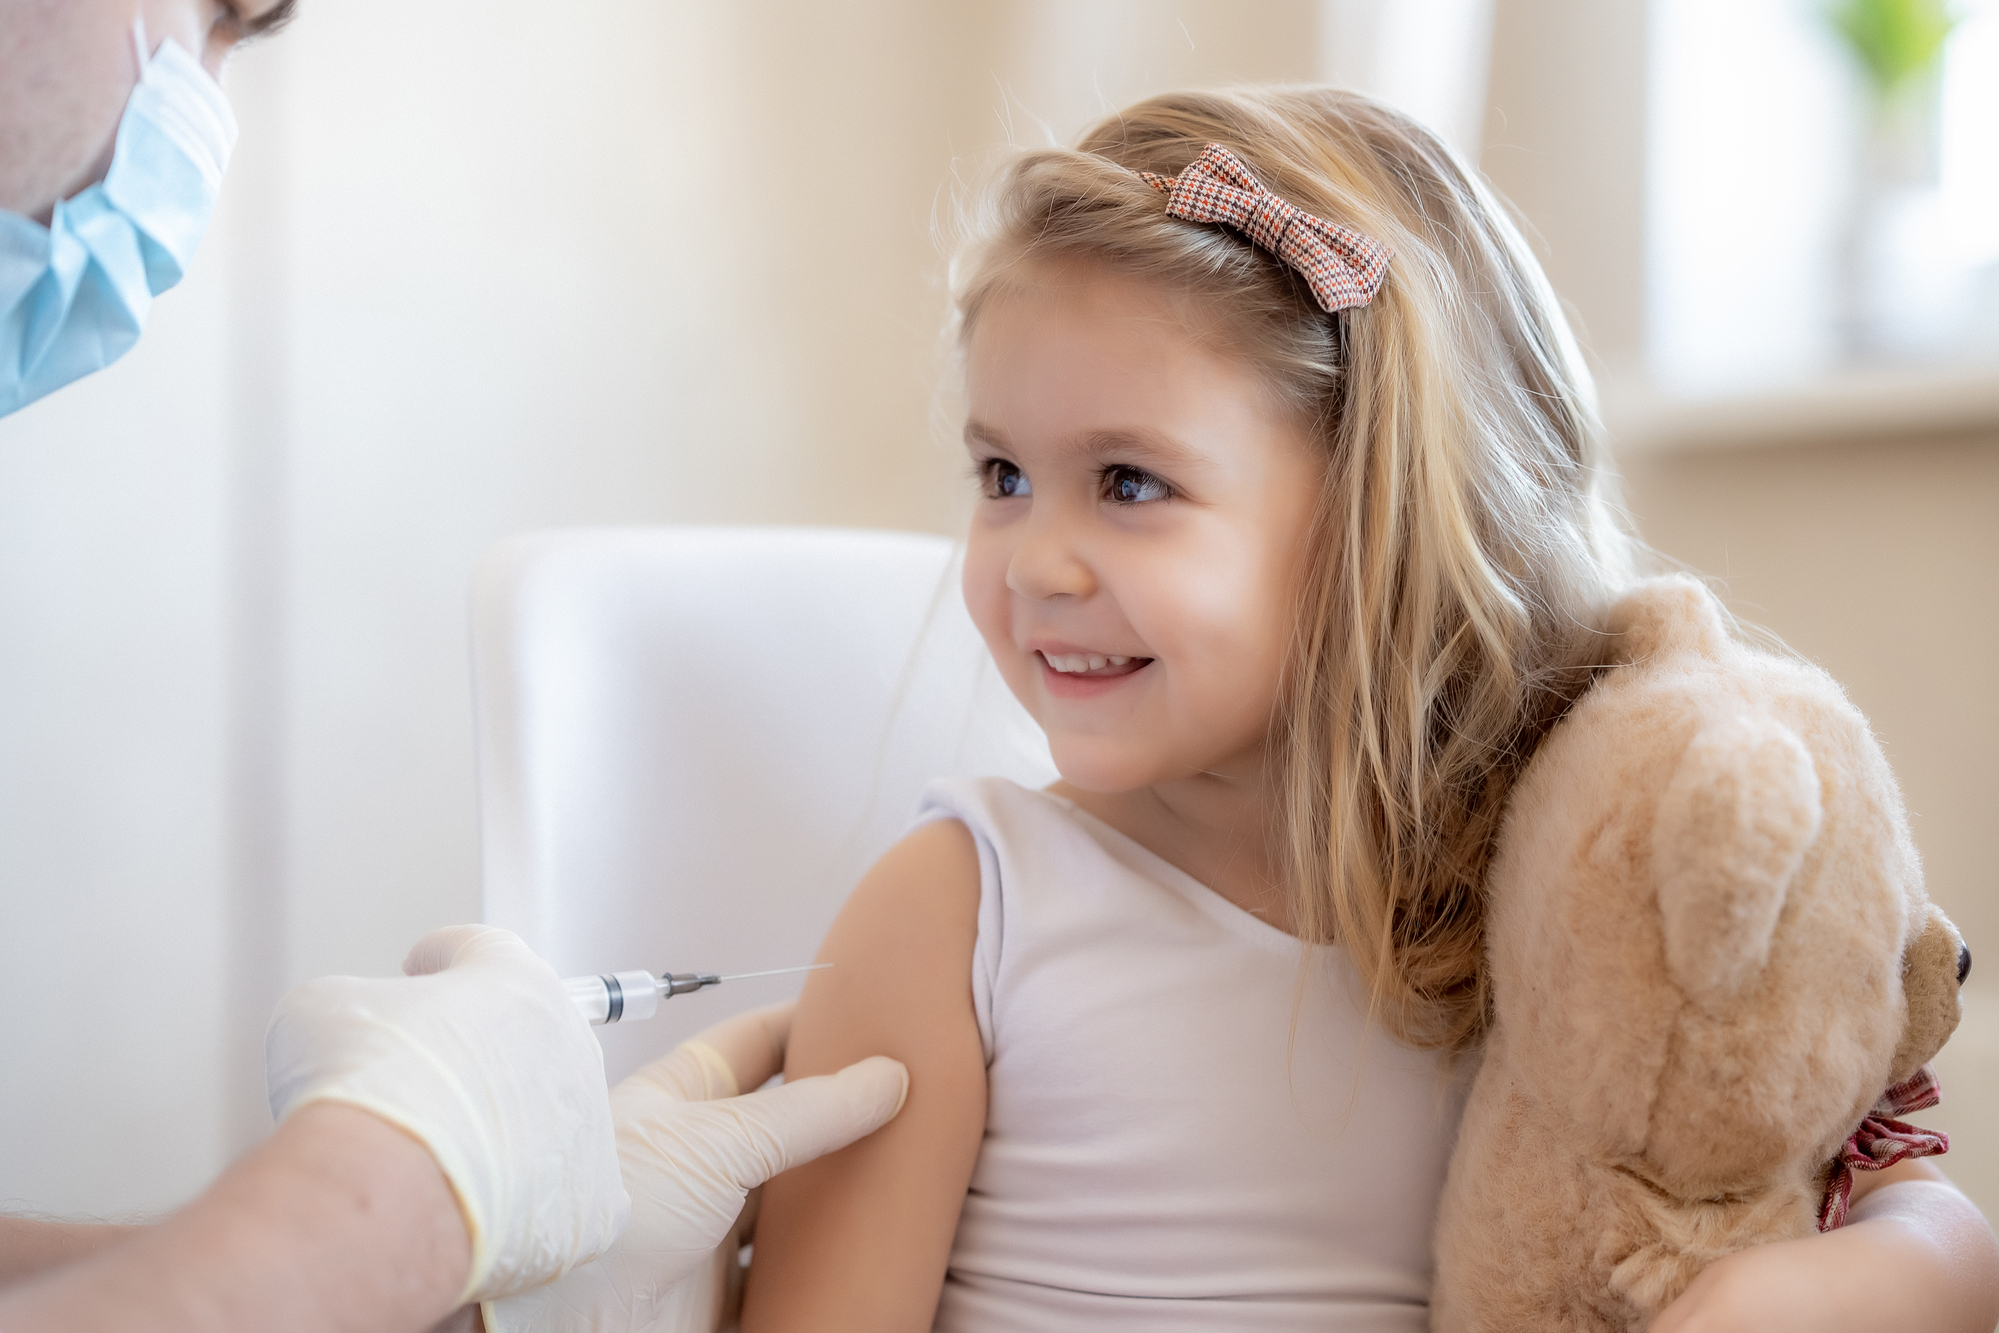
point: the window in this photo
(1774, 252)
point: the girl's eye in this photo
(1128, 485)
(1004, 481)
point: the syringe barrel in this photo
(614, 997)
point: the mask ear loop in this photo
(139, 42)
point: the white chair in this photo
(693, 741)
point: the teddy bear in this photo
(1714, 975)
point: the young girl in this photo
(1293, 532)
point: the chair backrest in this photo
(693, 741)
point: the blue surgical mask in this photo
(74, 294)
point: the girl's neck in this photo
(1216, 828)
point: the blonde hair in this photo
(1465, 546)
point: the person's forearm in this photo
(1914, 1253)
(337, 1222)
(30, 1248)
(1948, 1249)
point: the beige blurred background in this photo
(490, 267)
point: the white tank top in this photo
(1165, 1148)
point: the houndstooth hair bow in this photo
(1342, 267)
(1881, 1141)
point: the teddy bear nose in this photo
(1963, 962)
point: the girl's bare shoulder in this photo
(901, 951)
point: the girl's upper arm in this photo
(859, 1239)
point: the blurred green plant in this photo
(1897, 41)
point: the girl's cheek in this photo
(1203, 593)
(986, 597)
(1224, 614)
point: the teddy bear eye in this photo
(1963, 962)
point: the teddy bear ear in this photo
(1675, 613)
(1733, 827)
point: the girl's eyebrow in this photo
(1147, 446)
(978, 435)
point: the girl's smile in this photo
(1076, 673)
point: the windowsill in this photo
(1885, 405)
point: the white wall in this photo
(114, 836)
(1428, 57)
(1565, 143)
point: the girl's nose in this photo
(1045, 563)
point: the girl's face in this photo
(1135, 558)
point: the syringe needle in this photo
(774, 972)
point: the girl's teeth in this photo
(1074, 663)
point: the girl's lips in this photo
(1088, 684)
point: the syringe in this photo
(620, 997)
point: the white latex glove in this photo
(480, 1056)
(692, 1152)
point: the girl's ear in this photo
(1734, 823)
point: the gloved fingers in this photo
(693, 1071)
(688, 1166)
(754, 1137)
(752, 1043)
(453, 945)
(737, 1053)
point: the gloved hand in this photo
(480, 1056)
(692, 1152)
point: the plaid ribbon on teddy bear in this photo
(1881, 1141)
(1343, 267)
